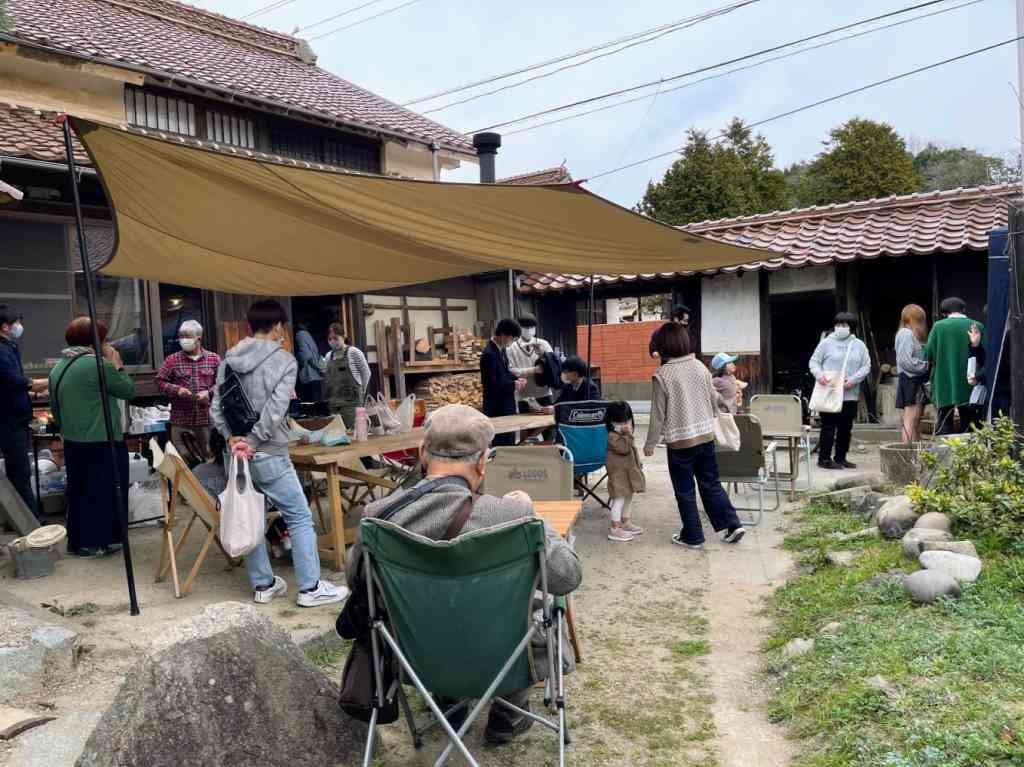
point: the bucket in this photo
(32, 563)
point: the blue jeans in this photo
(275, 477)
(699, 463)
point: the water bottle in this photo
(362, 425)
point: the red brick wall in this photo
(621, 350)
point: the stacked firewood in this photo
(451, 389)
(470, 348)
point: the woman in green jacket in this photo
(94, 526)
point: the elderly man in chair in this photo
(454, 452)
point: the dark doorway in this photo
(316, 313)
(797, 322)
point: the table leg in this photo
(337, 531)
(38, 510)
(570, 620)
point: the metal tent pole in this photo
(101, 372)
(590, 327)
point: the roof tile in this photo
(32, 134)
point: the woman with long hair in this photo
(912, 367)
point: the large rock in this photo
(873, 480)
(913, 541)
(794, 648)
(870, 505)
(34, 653)
(957, 547)
(964, 568)
(926, 586)
(896, 517)
(225, 688)
(934, 520)
(840, 558)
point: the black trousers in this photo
(970, 415)
(15, 444)
(836, 429)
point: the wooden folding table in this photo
(562, 516)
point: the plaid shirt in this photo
(180, 371)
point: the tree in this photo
(731, 176)
(952, 168)
(862, 159)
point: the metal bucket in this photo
(31, 562)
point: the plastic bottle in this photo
(362, 425)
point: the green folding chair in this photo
(458, 617)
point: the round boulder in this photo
(913, 541)
(896, 517)
(926, 586)
(957, 547)
(934, 520)
(963, 568)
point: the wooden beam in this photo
(442, 306)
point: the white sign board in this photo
(805, 280)
(730, 314)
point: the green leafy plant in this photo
(980, 486)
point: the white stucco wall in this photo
(730, 314)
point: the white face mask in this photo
(17, 329)
(566, 379)
(187, 344)
(336, 343)
(529, 334)
(619, 427)
(842, 332)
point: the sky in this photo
(432, 45)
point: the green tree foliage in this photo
(732, 176)
(960, 167)
(862, 159)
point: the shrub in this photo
(981, 487)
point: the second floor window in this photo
(229, 129)
(148, 110)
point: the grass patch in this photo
(690, 648)
(952, 688)
(73, 611)
(327, 656)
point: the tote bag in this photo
(727, 434)
(242, 513)
(828, 398)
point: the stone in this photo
(840, 558)
(881, 684)
(964, 568)
(934, 520)
(889, 578)
(957, 547)
(870, 504)
(915, 538)
(832, 628)
(794, 648)
(896, 516)
(34, 653)
(927, 586)
(850, 497)
(225, 687)
(57, 744)
(873, 480)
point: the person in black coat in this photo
(500, 384)
(576, 385)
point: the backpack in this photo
(236, 405)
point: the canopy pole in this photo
(101, 372)
(590, 328)
(512, 294)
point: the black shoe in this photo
(504, 725)
(828, 465)
(734, 534)
(844, 464)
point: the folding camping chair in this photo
(544, 472)
(782, 418)
(581, 428)
(458, 617)
(749, 465)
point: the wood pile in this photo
(470, 348)
(451, 389)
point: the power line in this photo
(696, 20)
(267, 9)
(363, 21)
(641, 86)
(556, 60)
(819, 103)
(745, 67)
(339, 15)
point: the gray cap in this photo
(457, 431)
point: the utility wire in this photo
(339, 15)
(819, 103)
(641, 86)
(563, 57)
(574, 65)
(745, 67)
(267, 9)
(363, 21)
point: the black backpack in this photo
(236, 405)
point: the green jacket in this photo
(947, 349)
(78, 411)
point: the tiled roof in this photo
(32, 134)
(184, 42)
(927, 222)
(559, 175)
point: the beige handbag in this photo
(727, 434)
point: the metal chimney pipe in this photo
(486, 145)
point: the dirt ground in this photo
(669, 674)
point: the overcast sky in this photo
(435, 44)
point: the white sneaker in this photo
(265, 596)
(619, 535)
(325, 593)
(692, 546)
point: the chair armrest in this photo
(771, 447)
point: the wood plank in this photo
(312, 456)
(561, 515)
(15, 510)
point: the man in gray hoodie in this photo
(267, 373)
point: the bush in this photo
(981, 487)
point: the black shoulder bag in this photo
(235, 403)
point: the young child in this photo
(625, 473)
(729, 388)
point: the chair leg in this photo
(570, 619)
(199, 561)
(172, 563)
(370, 736)
(176, 549)
(403, 701)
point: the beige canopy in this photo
(236, 221)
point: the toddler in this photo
(625, 473)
